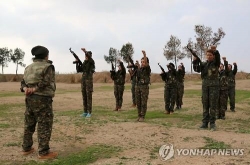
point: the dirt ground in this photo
(138, 140)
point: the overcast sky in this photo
(98, 25)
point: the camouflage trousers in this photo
(170, 94)
(231, 97)
(38, 111)
(142, 92)
(133, 93)
(180, 92)
(87, 90)
(118, 92)
(222, 103)
(210, 96)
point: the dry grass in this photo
(104, 77)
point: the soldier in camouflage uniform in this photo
(231, 85)
(223, 76)
(119, 81)
(180, 85)
(133, 84)
(170, 88)
(39, 86)
(142, 86)
(87, 68)
(210, 85)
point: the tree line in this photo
(173, 50)
(8, 55)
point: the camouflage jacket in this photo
(209, 70)
(223, 76)
(87, 68)
(143, 75)
(40, 75)
(231, 76)
(170, 78)
(119, 76)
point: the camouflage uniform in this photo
(119, 81)
(180, 87)
(87, 69)
(170, 89)
(40, 75)
(142, 90)
(210, 87)
(231, 87)
(222, 104)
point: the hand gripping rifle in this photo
(78, 62)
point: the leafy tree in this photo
(127, 51)
(17, 58)
(205, 38)
(172, 50)
(5, 54)
(191, 45)
(113, 56)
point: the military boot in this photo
(212, 126)
(204, 126)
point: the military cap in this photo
(171, 65)
(39, 51)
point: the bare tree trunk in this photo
(16, 67)
(175, 62)
(2, 69)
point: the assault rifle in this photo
(131, 62)
(78, 61)
(162, 68)
(112, 71)
(193, 53)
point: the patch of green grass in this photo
(11, 144)
(63, 91)
(191, 93)
(213, 144)
(87, 156)
(244, 130)
(4, 125)
(241, 95)
(7, 110)
(156, 86)
(154, 152)
(11, 94)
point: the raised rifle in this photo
(78, 61)
(193, 53)
(162, 68)
(112, 71)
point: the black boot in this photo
(204, 125)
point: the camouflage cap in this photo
(39, 51)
